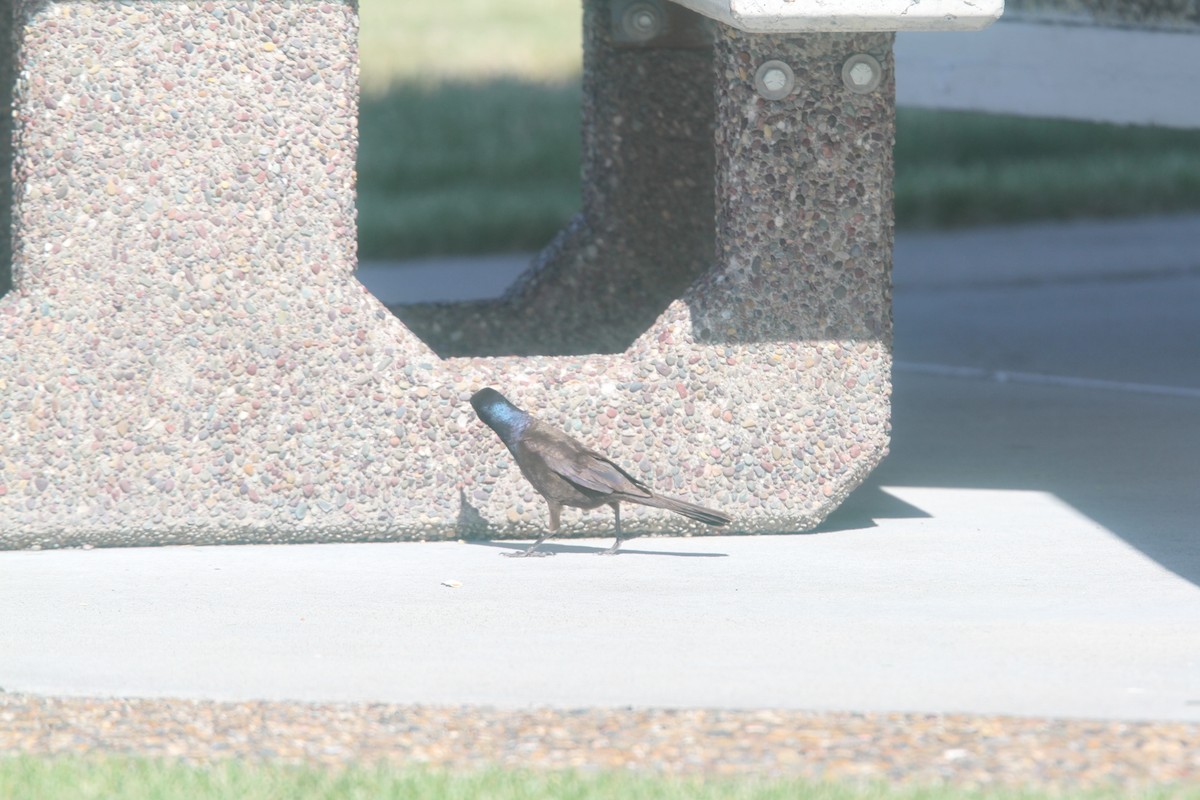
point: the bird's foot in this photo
(528, 554)
(612, 551)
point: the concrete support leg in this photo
(645, 231)
(186, 356)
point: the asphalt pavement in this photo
(1031, 546)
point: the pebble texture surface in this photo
(901, 749)
(187, 358)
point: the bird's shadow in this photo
(474, 529)
(557, 547)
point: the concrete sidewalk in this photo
(1030, 547)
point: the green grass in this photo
(28, 778)
(428, 43)
(466, 167)
(469, 141)
(955, 169)
(491, 167)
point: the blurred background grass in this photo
(469, 141)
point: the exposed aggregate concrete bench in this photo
(185, 355)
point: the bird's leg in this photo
(530, 551)
(552, 529)
(612, 551)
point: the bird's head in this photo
(499, 414)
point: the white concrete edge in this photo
(1083, 72)
(784, 16)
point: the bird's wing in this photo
(579, 465)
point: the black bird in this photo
(568, 474)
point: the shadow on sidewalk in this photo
(1128, 462)
(556, 547)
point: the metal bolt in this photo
(774, 80)
(862, 73)
(642, 21)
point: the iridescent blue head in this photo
(508, 421)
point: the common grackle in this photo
(568, 474)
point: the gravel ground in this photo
(961, 750)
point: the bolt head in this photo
(774, 80)
(642, 21)
(862, 73)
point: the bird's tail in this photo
(699, 513)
